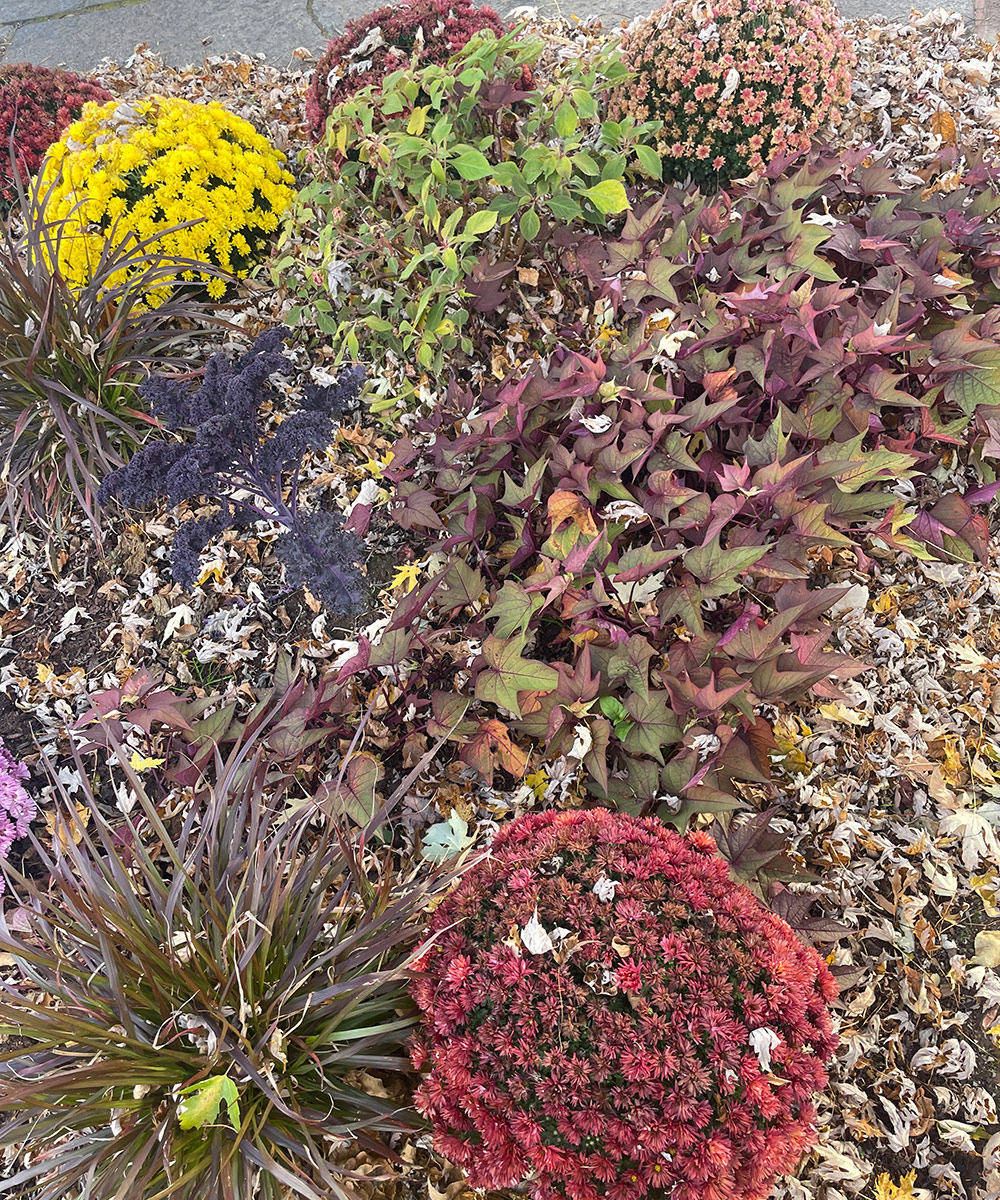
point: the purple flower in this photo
(17, 809)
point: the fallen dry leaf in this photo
(988, 948)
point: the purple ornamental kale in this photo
(228, 455)
(17, 809)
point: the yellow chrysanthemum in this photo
(139, 170)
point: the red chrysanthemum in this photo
(36, 105)
(630, 1020)
(384, 41)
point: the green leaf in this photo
(655, 725)
(462, 585)
(650, 161)
(472, 164)
(974, 388)
(585, 103)
(513, 609)
(608, 196)
(506, 206)
(585, 162)
(446, 839)
(481, 222)
(212, 729)
(529, 224)
(717, 568)
(205, 1098)
(449, 709)
(565, 207)
(355, 795)
(515, 494)
(565, 119)
(612, 707)
(769, 447)
(508, 175)
(508, 673)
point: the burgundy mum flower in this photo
(607, 1014)
(384, 41)
(36, 105)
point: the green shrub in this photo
(444, 171)
(200, 1000)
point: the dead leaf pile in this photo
(922, 87)
(895, 803)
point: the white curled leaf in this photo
(534, 938)
(670, 344)
(762, 1041)
(731, 84)
(604, 889)
(624, 510)
(582, 742)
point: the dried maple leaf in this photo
(943, 124)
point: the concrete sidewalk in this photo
(79, 33)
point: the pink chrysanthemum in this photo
(632, 1021)
(775, 70)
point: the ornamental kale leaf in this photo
(231, 462)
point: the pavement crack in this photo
(105, 6)
(311, 11)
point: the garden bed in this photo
(886, 789)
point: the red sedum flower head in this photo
(36, 105)
(385, 41)
(607, 1014)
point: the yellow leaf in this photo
(418, 119)
(62, 830)
(406, 577)
(952, 761)
(884, 603)
(537, 781)
(215, 570)
(568, 506)
(834, 711)
(138, 763)
(660, 321)
(943, 124)
(987, 887)
(43, 673)
(885, 1189)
